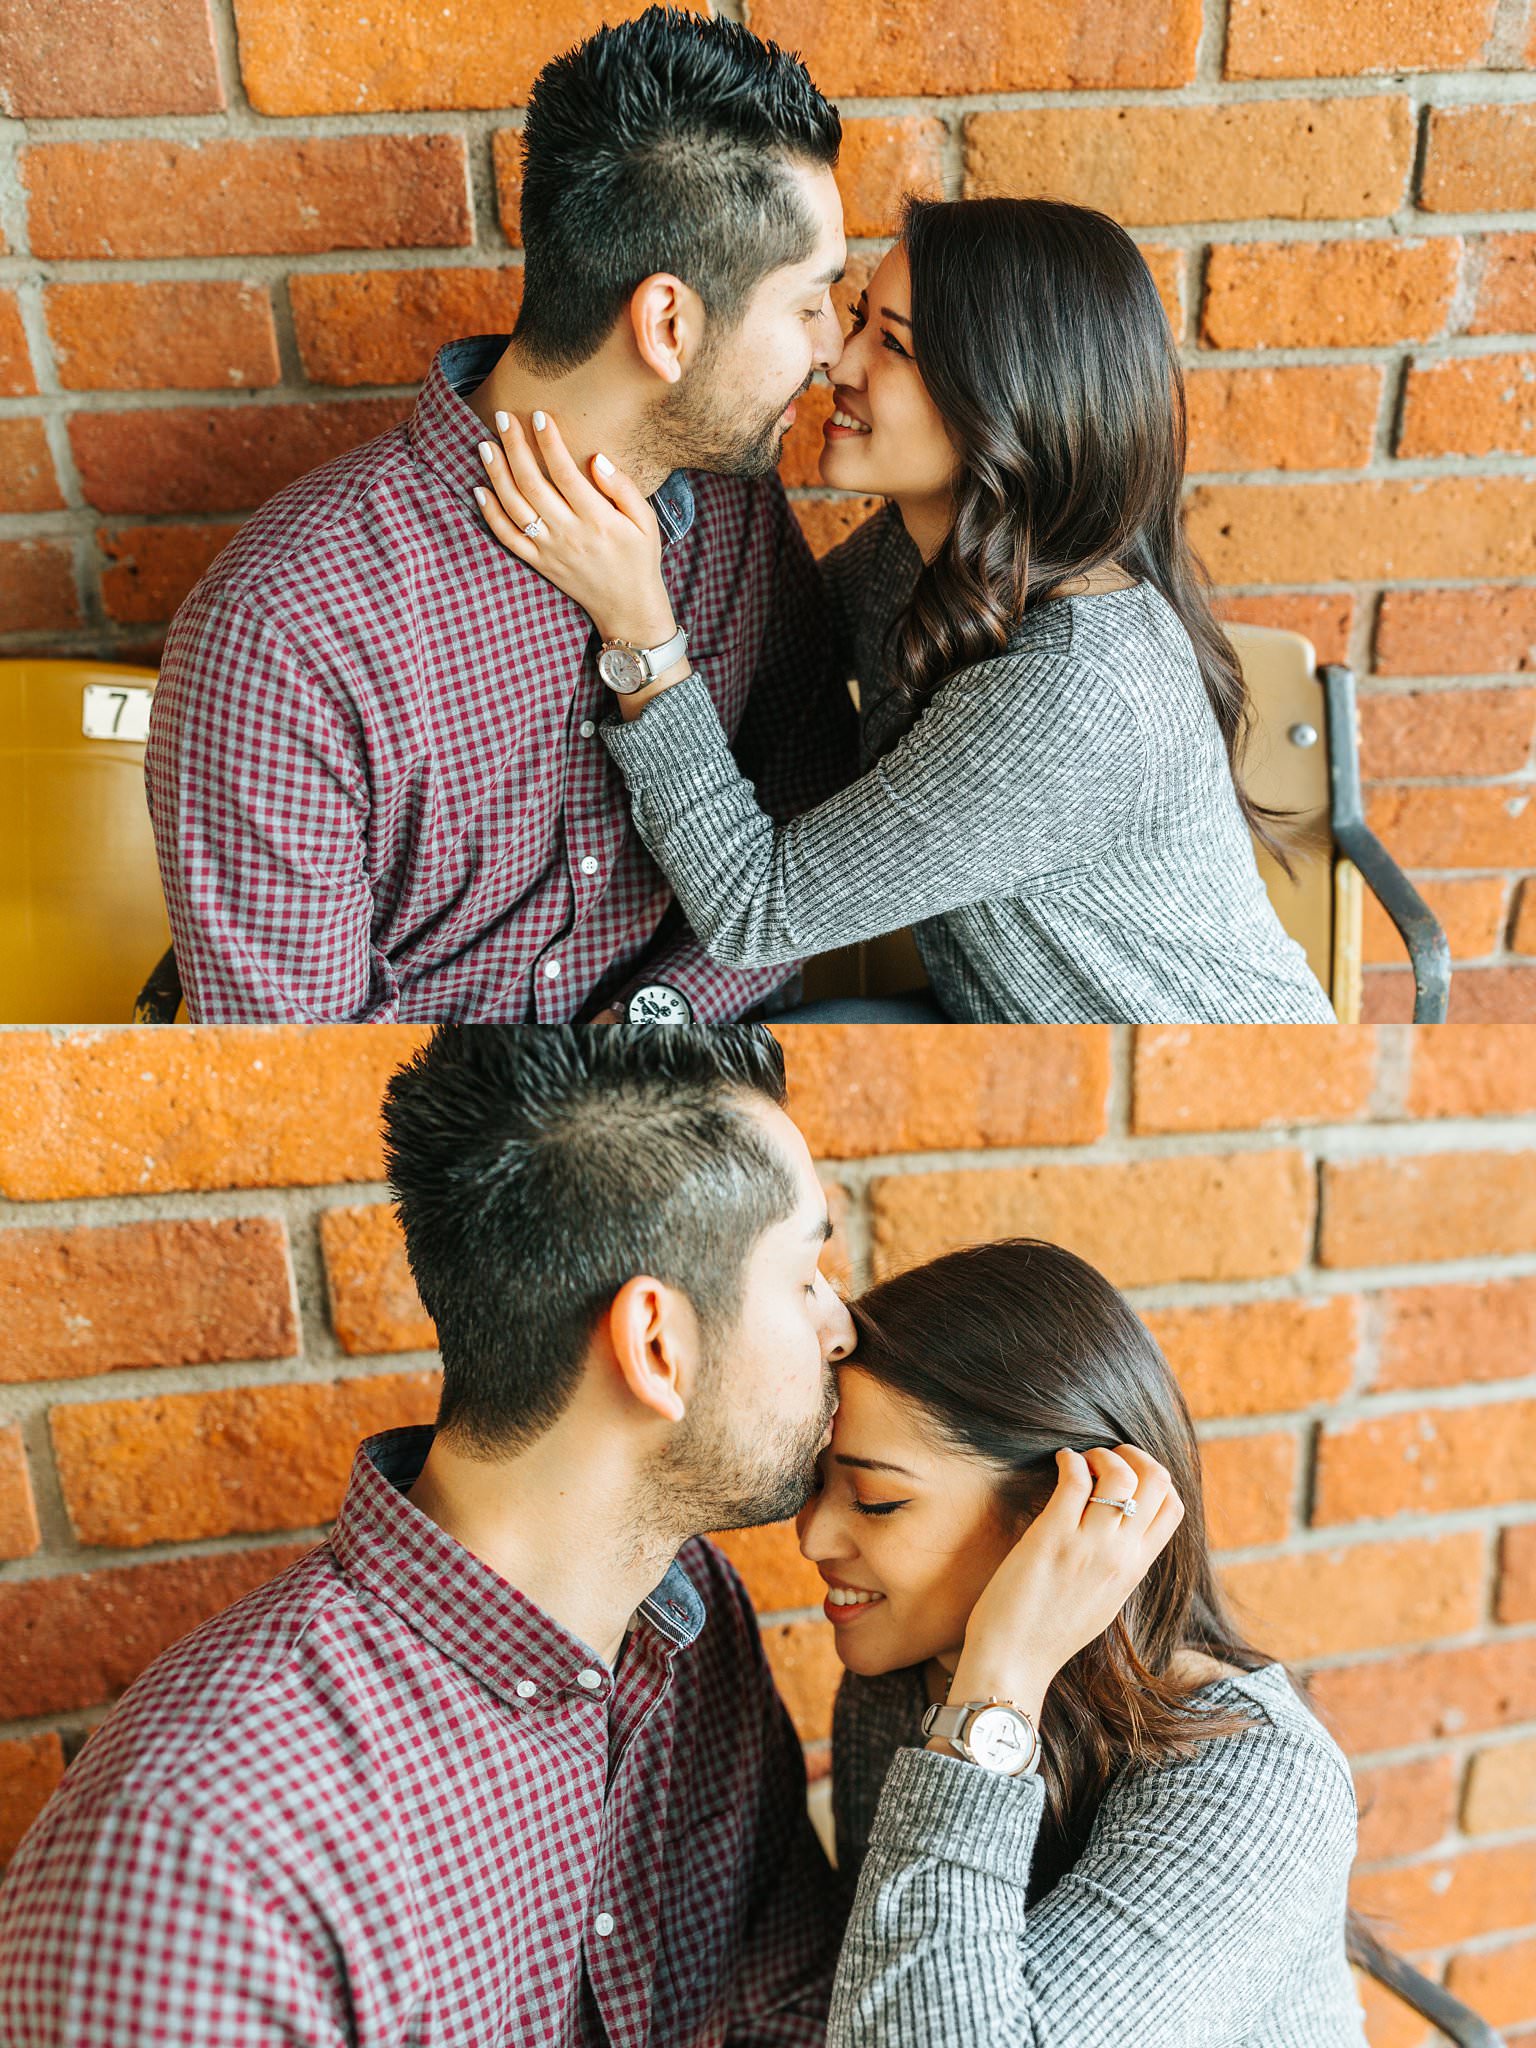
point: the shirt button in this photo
(604, 1923)
(552, 969)
(589, 865)
(590, 1679)
(526, 1688)
(586, 728)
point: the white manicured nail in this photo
(503, 421)
(604, 466)
(482, 497)
(540, 422)
(487, 453)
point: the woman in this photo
(1153, 1840)
(1052, 721)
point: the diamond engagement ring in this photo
(1126, 1507)
(534, 528)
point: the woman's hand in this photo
(1068, 1575)
(599, 542)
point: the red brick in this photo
(1517, 1571)
(1456, 632)
(1470, 909)
(374, 1303)
(1471, 1073)
(1248, 1483)
(1244, 1077)
(1143, 1222)
(1169, 271)
(1455, 1336)
(1361, 532)
(403, 54)
(1480, 160)
(37, 586)
(1427, 1461)
(28, 480)
(1405, 1808)
(186, 1291)
(385, 326)
(1499, 1984)
(1473, 405)
(1343, 159)
(1479, 995)
(257, 197)
(1446, 732)
(507, 169)
(17, 379)
(1326, 618)
(1327, 1603)
(923, 46)
(1328, 294)
(1396, 1702)
(1522, 938)
(935, 1089)
(1388, 2022)
(1260, 1357)
(152, 568)
(79, 1640)
(176, 1467)
(1433, 1905)
(210, 335)
(1506, 296)
(1441, 1205)
(777, 1576)
(136, 1111)
(1314, 39)
(826, 522)
(1295, 418)
(29, 1771)
(800, 459)
(215, 458)
(807, 1671)
(1501, 1790)
(1492, 825)
(882, 158)
(19, 1533)
(108, 57)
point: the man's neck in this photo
(554, 1521)
(595, 415)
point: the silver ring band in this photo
(534, 528)
(1126, 1507)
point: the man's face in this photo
(731, 409)
(766, 1393)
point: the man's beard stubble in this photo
(695, 427)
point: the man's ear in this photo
(666, 318)
(654, 1333)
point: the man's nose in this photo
(829, 342)
(841, 1336)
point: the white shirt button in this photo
(552, 969)
(588, 865)
(604, 1923)
(586, 728)
(590, 1679)
(526, 1688)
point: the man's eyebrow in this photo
(872, 1465)
(820, 1231)
(832, 276)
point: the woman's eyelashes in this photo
(888, 340)
(883, 1507)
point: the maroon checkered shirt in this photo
(387, 1800)
(373, 765)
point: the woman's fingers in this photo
(499, 478)
(624, 492)
(563, 473)
(540, 494)
(505, 528)
(1113, 1478)
(1153, 1483)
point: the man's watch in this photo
(656, 1003)
(993, 1734)
(626, 668)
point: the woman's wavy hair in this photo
(1040, 337)
(1013, 1351)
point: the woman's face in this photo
(900, 1519)
(898, 446)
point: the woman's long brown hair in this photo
(1014, 1351)
(1040, 337)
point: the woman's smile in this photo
(846, 1603)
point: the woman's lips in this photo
(841, 1616)
(833, 432)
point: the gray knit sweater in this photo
(1206, 1910)
(1060, 826)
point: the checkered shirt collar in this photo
(390, 1549)
(446, 433)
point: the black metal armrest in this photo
(1429, 950)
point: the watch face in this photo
(658, 1005)
(621, 668)
(999, 1740)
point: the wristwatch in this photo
(626, 668)
(993, 1734)
(656, 1003)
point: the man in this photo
(502, 1760)
(374, 770)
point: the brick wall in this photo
(204, 1305)
(232, 230)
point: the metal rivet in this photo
(1302, 735)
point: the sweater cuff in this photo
(673, 739)
(941, 1806)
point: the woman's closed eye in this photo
(881, 1507)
